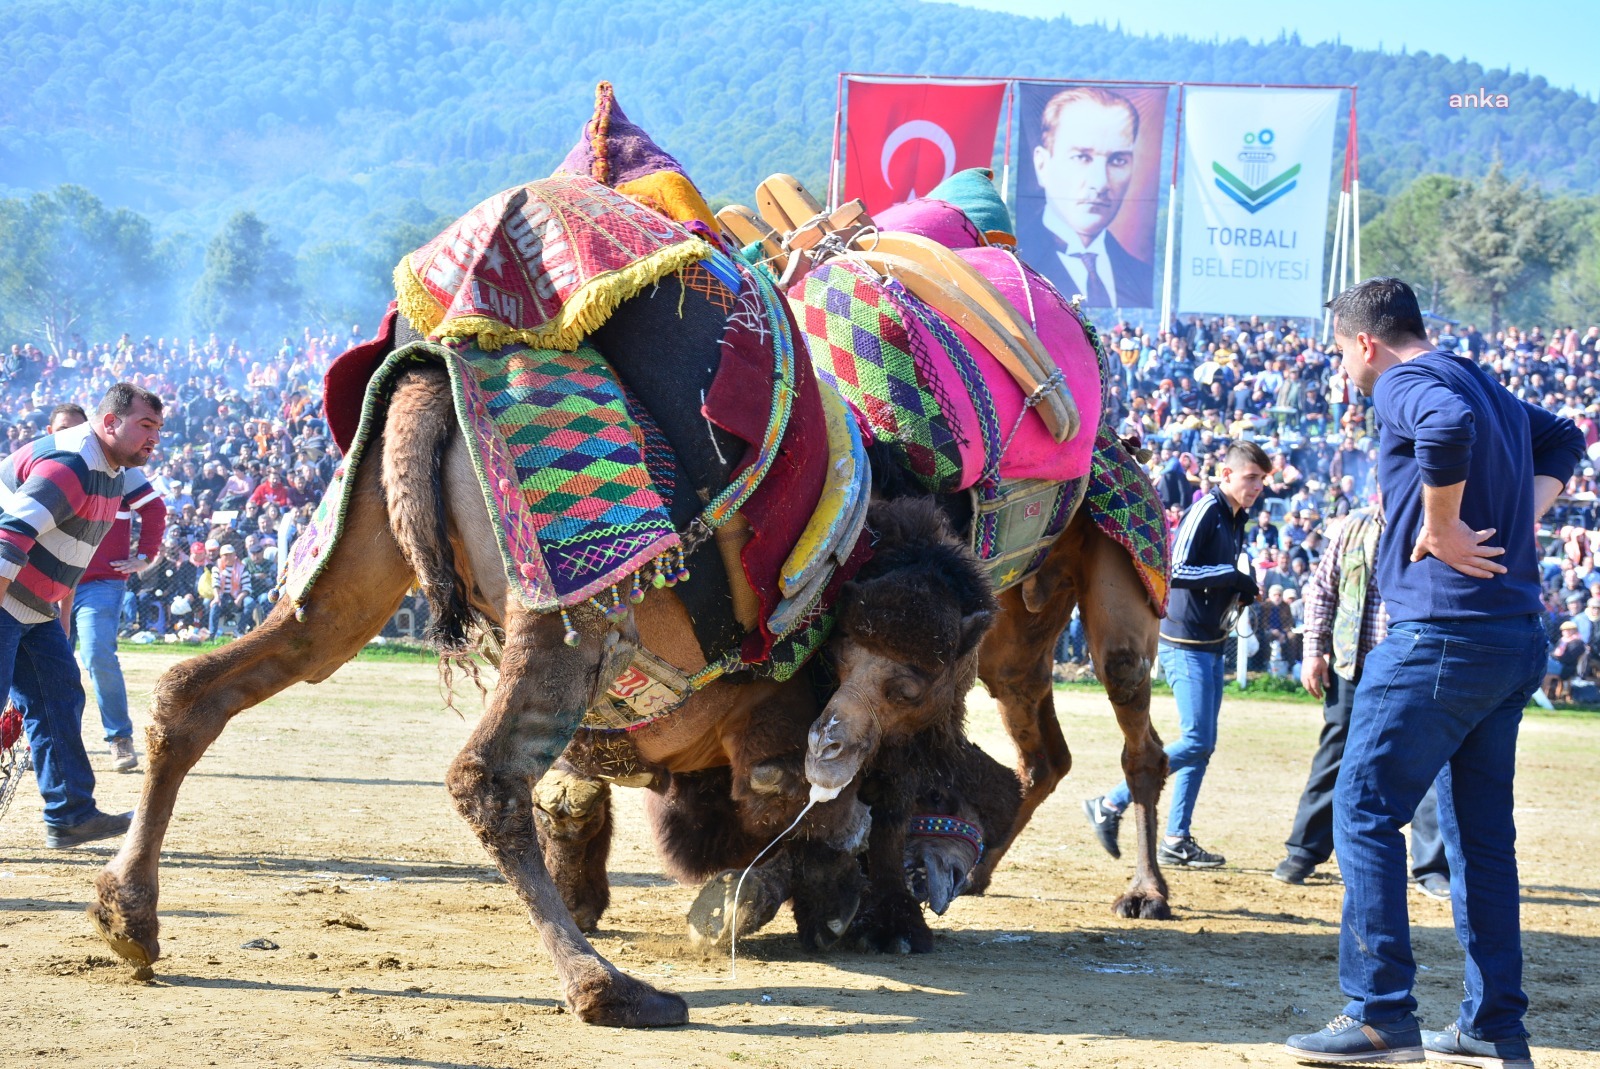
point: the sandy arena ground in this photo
(319, 821)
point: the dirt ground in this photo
(325, 809)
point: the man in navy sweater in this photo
(1467, 470)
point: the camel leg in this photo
(1122, 630)
(194, 700)
(538, 701)
(573, 815)
(1014, 664)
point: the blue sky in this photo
(1555, 38)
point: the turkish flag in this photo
(904, 138)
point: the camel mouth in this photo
(840, 743)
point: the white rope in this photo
(733, 923)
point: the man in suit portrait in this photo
(1084, 162)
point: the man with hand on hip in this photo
(1207, 590)
(1467, 470)
(59, 495)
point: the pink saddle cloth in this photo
(927, 388)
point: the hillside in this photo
(319, 113)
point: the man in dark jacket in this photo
(1207, 589)
(1467, 471)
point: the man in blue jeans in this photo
(1467, 470)
(59, 495)
(1207, 590)
(92, 614)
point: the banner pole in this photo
(833, 160)
(1005, 167)
(1172, 223)
(1340, 238)
(1355, 182)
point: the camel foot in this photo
(613, 999)
(893, 925)
(711, 916)
(1142, 905)
(126, 920)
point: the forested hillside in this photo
(337, 121)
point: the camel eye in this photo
(904, 690)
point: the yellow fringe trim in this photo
(583, 313)
(416, 303)
(671, 194)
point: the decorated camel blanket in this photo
(951, 412)
(543, 264)
(1124, 504)
(562, 464)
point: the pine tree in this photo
(248, 285)
(1499, 239)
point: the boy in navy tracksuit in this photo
(1467, 470)
(1207, 586)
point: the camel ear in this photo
(973, 628)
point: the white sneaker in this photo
(123, 759)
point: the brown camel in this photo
(396, 528)
(417, 511)
(1085, 568)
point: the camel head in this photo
(905, 644)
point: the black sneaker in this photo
(1347, 1041)
(1293, 870)
(1453, 1047)
(99, 826)
(1433, 884)
(1188, 854)
(1106, 822)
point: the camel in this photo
(417, 511)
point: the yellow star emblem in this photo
(1010, 576)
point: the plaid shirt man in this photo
(1322, 598)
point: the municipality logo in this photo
(1255, 190)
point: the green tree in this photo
(1575, 288)
(1406, 238)
(248, 285)
(1500, 240)
(72, 266)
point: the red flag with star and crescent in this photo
(904, 138)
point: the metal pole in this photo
(1333, 264)
(1172, 220)
(833, 160)
(1005, 166)
(1355, 181)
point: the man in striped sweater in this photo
(59, 496)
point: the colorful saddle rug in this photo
(951, 412)
(543, 264)
(560, 459)
(1124, 504)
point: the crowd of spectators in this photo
(244, 457)
(1187, 392)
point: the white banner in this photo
(1256, 168)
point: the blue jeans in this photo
(1196, 677)
(96, 612)
(1439, 703)
(41, 678)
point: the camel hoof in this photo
(614, 999)
(133, 940)
(894, 925)
(818, 931)
(713, 909)
(1142, 906)
(566, 796)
